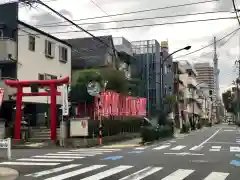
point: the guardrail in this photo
(6, 144)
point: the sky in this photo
(197, 34)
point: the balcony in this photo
(8, 50)
(192, 81)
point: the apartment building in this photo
(193, 106)
(206, 75)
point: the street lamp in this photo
(162, 65)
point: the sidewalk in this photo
(8, 173)
(129, 143)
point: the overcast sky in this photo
(196, 34)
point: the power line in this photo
(208, 44)
(99, 7)
(66, 19)
(235, 9)
(230, 37)
(139, 19)
(135, 12)
(147, 25)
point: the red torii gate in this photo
(39, 83)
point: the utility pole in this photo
(216, 80)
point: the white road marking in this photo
(217, 176)
(228, 130)
(50, 171)
(29, 163)
(178, 148)
(180, 174)
(75, 173)
(196, 148)
(107, 173)
(172, 141)
(45, 160)
(140, 148)
(204, 142)
(71, 154)
(234, 149)
(92, 151)
(161, 147)
(215, 148)
(142, 173)
(82, 152)
(59, 157)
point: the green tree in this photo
(116, 82)
(228, 101)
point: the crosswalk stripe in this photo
(50, 171)
(161, 147)
(107, 173)
(78, 153)
(234, 149)
(217, 175)
(194, 148)
(59, 157)
(29, 164)
(45, 160)
(70, 154)
(76, 172)
(178, 148)
(142, 173)
(92, 151)
(180, 174)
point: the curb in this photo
(8, 173)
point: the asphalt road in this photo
(208, 154)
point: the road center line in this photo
(204, 142)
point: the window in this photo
(40, 76)
(1, 33)
(31, 43)
(63, 54)
(49, 49)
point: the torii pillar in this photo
(52, 84)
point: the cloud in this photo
(195, 34)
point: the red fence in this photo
(115, 104)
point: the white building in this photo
(193, 108)
(41, 56)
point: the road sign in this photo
(65, 105)
(93, 88)
(6, 144)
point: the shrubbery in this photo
(151, 133)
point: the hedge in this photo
(114, 127)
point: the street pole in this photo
(148, 79)
(193, 117)
(162, 67)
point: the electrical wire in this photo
(230, 37)
(139, 19)
(77, 26)
(135, 12)
(235, 9)
(208, 44)
(147, 25)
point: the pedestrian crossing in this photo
(197, 148)
(53, 159)
(121, 172)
